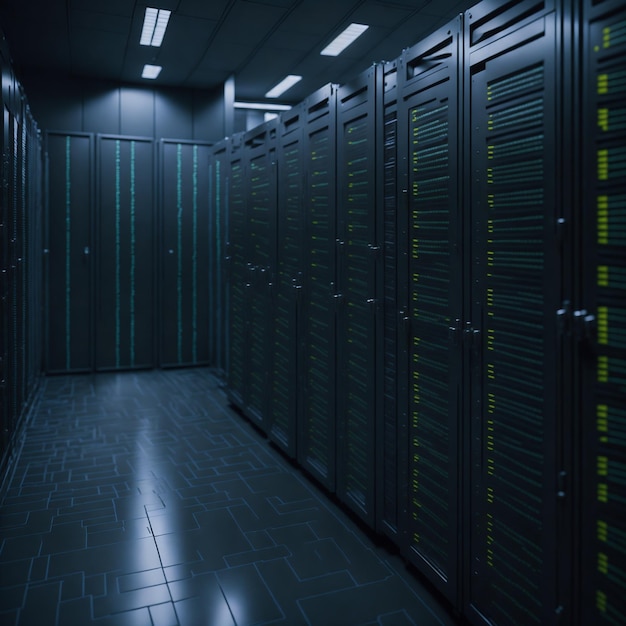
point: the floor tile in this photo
(248, 598)
(143, 499)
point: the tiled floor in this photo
(143, 499)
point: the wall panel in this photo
(125, 275)
(69, 265)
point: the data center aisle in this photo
(143, 499)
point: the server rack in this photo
(238, 275)
(185, 249)
(391, 425)
(218, 211)
(359, 282)
(260, 168)
(284, 405)
(430, 291)
(125, 276)
(20, 257)
(512, 139)
(600, 317)
(4, 296)
(69, 253)
(316, 429)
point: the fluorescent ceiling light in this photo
(261, 106)
(154, 25)
(283, 85)
(151, 71)
(344, 39)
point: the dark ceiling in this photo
(258, 42)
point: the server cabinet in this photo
(260, 164)
(601, 319)
(316, 430)
(359, 282)
(391, 425)
(238, 276)
(4, 290)
(125, 280)
(284, 404)
(69, 253)
(218, 293)
(33, 278)
(512, 464)
(185, 249)
(431, 288)
(9, 273)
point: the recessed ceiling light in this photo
(344, 39)
(151, 71)
(262, 106)
(283, 85)
(154, 25)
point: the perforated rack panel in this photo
(238, 276)
(260, 163)
(602, 323)
(516, 288)
(284, 404)
(358, 263)
(184, 284)
(316, 431)
(428, 138)
(125, 272)
(389, 433)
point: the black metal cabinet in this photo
(238, 276)
(391, 421)
(600, 319)
(430, 290)
(261, 172)
(316, 429)
(69, 258)
(21, 244)
(511, 433)
(185, 249)
(359, 282)
(284, 401)
(125, 273)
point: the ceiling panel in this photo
(101, 21)
(203, 9)
(257, 41)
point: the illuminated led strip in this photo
(179, 273)
(194, 307)
(132, 253)
(68, 265)
(117, 253)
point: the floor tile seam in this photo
(17, 444)
(320, 576)
(167, 583)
